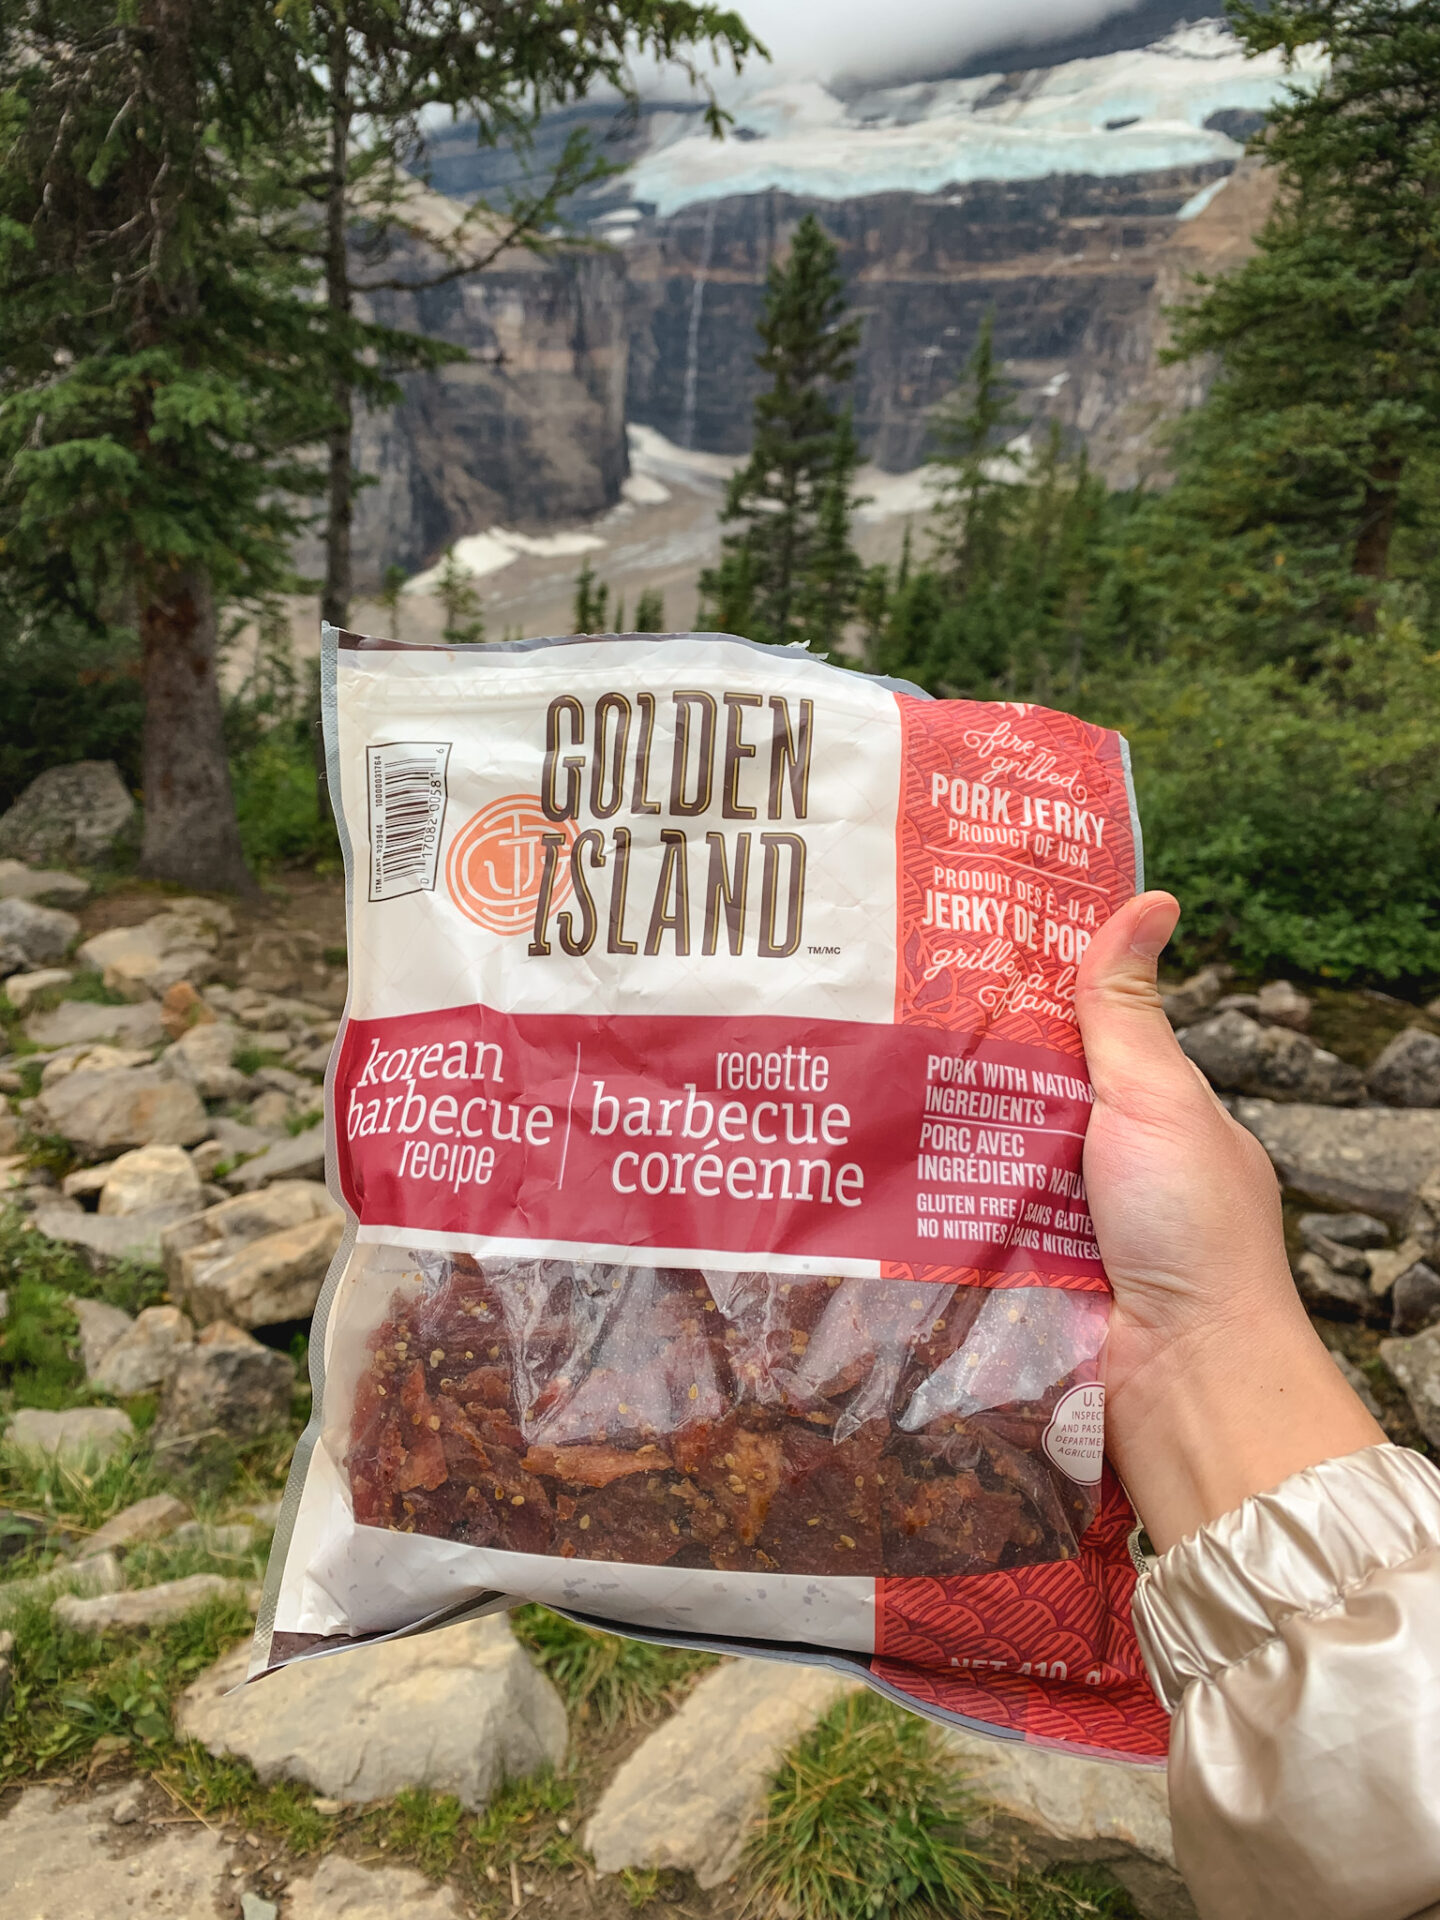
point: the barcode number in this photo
(407, 793)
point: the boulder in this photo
(1239, 1054)
(1335, 1253)
(271, 1111)
(46, 884)
(1373, 1159)
(101, 1325)
(1422, 1221)
(1065, 1808)
(58, 1857)
(132, 1107)
(143, 1358)
(1415, 1363)
(1358, 1385)
(149, 959)
(100, 1573)
(226, 1385)
(32, 936)
(74, 1437)
(150, 1177)
(227, 1541)
(1336, 1295)
(458, 1711)
(224, 1229)
(1388, 1263)
(22, 988)
(143, 1520)
(144, 1606)
(688, 1794)
(80, 1022)
(1415, 1299)
(97, 1059)
(1359, 1230)
(70, 815)
(204, 1056)
(237, 1140)
(1283, 1005)
(1194, 997)
(272, 1280)
(1407, 1073)
(314, 1059)
(282, 960)
(11, 1131)
(302, 1156)
(106, 1237)
(344, 1890)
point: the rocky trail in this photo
(166, 1230)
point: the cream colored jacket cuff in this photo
(1297, 1643)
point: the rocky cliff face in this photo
(529, 429)
(1069, 266)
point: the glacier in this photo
(1122, 113)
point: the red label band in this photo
(823, 1140)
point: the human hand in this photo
(1217, 1386)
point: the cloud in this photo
(885, 39)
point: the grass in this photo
(605, 1679)
(867, 1820)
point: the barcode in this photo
(407, 794)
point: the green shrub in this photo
(604, 1676)
(70, 694)
(283, 821)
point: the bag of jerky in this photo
(708, 1111)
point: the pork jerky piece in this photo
(749, 1423)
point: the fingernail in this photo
(1154, 928)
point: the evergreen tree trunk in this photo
(335, 599)
(190, 831)
(1377, 520)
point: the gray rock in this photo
(1246, 1003)
(1064, 1808)
(283, 960)
(46, 884)
(239, 1140)
(10, 1132)
(1415, 1363)
(92, 1060)
(1335, 1253)
(1283, 1005)
(688, 1794)
(299, 1157)
(130, 1806)
(1240, 1055)
(272, 1280)
(344, 1890)
(1358, 1385)
(226, 1386)
(145, 1606)
(145, 1357)
(1422, 1221)
(101, 1325)
(1336, 1295)
(135, 1107)
(22, 988)
(457, 1711)
(223, 1230)
(1194, 997)
(143, 1520)
(1415, 1300)
(314, 1059)
(151, 958)
(97, 1573)
(58, 1862)
(32, 936)
(106, 1237)
(77, 1435)
(150, 1177)
(1359, 1230)
(252, 1907)
(1373, 1159)
(204, 1056)
(69, 816)
(224, 1541)
(1407, 1073)
(83, 1022)
(272, 1112)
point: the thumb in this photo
(1127, 1038)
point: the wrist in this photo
(1227, 1412)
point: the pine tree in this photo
(592, 602)
(788, 572)
(650, 611)
(978, 490)
(1311, 452)
(456, 593)
(160, 357)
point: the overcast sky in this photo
(880, 38)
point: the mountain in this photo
(1071, 199)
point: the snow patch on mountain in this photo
(1131, 112)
